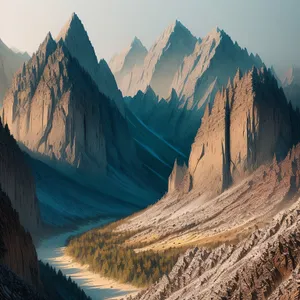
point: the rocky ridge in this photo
(123, 63)
(214, 61)
(161, 62)
(79, 125)
(78, 43)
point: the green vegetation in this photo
(59, 287)
(106, 253)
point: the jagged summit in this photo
(161, 63)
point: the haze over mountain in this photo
(291, 86)
(161, 62)
(10, 62)
(213, 62)
(123, 63)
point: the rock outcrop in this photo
(291, 86)
(123, 63)
(17, 181)
(10, 62)
(249, 123)
(55, 109)
(176, 177)
(161, 62)
(78, 43)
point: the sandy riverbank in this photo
(92, 280)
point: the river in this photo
(51, 250)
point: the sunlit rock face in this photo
(17, 181)
(161, 62)
(123, 63)
(249, 122)
(78, 43)
(10, 62)
(54, 108)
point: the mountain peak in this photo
(73, 24)
(137, 43)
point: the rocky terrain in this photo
(263, 266)
(123, 63)
(161, 62)
(291, 86)
(227, 197)
(10, 62)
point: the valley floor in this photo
(51, 250)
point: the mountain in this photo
(78, 43)
(213, 62)
(10, 62)
(123, 63)
(291, 86)
(242, 175)
(74, 123)
(161, 62)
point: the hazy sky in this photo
(270, 28)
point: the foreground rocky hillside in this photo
(10, 62)
(263, 266)
(236, 179)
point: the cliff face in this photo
(17, 181)
(17, 250)
(54, 108)
(161, 62)
(248, 124)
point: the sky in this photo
(270, 28)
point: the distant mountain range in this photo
(201, 70)
(10, 62)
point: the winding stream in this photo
(51, 250)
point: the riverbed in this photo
(51, 250)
